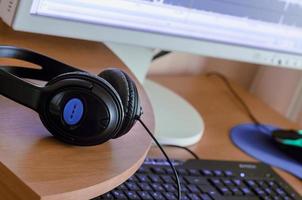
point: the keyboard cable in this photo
(184, 148)
(241, 101)
(226, 81)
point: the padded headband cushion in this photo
(127, 91)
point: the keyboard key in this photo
(167, 179)
(260, 192)
(169, 171)
(228, 173)
(208, 189)
(184, 197)
(148, 160)
(107, 196)
(170, 196)
(224, 191)
(133, 179)
(217, 196)
(228, 182)
(205, 197)
(266, 198)
(158, 170)
(157, 187)
(194, 172)
(238, 182)
(276, 198)
(145, 195)
(132, 195)
(157, 196)
(262, 184)
(182, 180)
(216, 182)
(118, 194)
(169, 188)
(251, 183)
(155, 178)
(247, 191)
(280, 192)
(184, 189)
(182, 171)
(206, 172)
(143, 170)
(196, 180)
(122, 187)
(218, 173)
(145, 186)
(194, 196)
(132, 186)
(269, 191)
(236, 191)
(272, 184)
(193, 188)
(142, 178)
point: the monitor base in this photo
(177, 122)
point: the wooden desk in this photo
(33, 165)
(221, 111)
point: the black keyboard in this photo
(204, 180)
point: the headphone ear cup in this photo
(127, 91)
(101, 111)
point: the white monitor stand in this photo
(176, 121)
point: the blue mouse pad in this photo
(257, 142)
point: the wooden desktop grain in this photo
(33, 165)
(221, 111)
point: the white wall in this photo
(275, 86)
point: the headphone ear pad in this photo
(127, 91)
(102, 114)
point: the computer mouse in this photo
(288, 137)
(290, 141)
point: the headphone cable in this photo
(166, 156)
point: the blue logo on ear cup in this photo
(73, 111)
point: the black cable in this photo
(258, 124)
(166, 156)
(160, 54)
(181, 147)
(232, 90)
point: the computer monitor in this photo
(259, 31)
(267, 32)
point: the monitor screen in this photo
(263, 24)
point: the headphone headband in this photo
(47, 71)
(11, 84)
(75, 106)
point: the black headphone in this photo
(76, 107)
